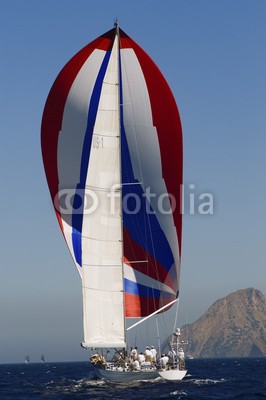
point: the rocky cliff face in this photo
(234, 326)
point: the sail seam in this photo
(135, 262)
(98, 188)
(110, 83)
(109, 109)
(132, 183)
(102, 290)
(101, 134)
(101, 240)
(102, 265)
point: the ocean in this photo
(207, 379)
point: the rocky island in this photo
(234, 326)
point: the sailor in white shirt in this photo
(181, 356)
(148, 354)
(134, 353)
(163, 360)
(172, 355)
(135, 365)
(154, 354)
(141, 358)
(181, 353)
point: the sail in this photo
(151, 137)
(111, 134)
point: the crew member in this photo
(148, 354)
(153, 354)
(163, 360)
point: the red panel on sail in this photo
(54, 109)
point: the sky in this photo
(212, 54)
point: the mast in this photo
(116, 25)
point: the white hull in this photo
(172, 374)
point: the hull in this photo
(122, 375)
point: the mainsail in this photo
(112, 140)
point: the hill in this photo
(234, 326)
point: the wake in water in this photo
(206, 381)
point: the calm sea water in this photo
(207, 379)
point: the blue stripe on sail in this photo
(144, 291)
(77, 218)
(141, 224)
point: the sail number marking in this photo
(97, 142)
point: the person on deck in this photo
(148, 354)
(141, 358)
(136, 365)
(163, 360)
(153, 354)
(181, 353)
(172, 356)
(134, 353)
(181, 356)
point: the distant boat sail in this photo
(112, 152)
(27, 359)
(42, 358)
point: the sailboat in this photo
(112, 152)
(27, 359)
(42, 358)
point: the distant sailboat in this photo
(27, 359)
(111, 131)
(42, 358)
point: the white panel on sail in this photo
(71, 137)
(102, 275)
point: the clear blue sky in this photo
(213, 55)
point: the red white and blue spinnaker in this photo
(111, 127)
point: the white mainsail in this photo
(102, 275)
